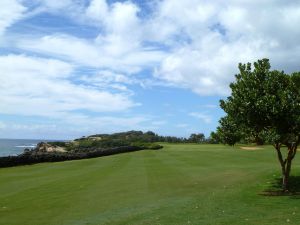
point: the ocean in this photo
(16, 146)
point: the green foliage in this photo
(144, 145)
(57, 143)
(136, 136)
(228, 132)
(197, 138)
(214, 138)
(265, 101)
(124, 139)
(130, 138)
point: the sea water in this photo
(16, 146)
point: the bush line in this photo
(32, 157)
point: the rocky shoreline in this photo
(39, 155)
(83, 148)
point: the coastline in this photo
(13, 147)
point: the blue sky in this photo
(78, 67)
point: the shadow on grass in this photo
(275, 188)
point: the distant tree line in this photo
(149, 136)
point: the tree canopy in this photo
(197, 138)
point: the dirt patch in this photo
(251, 148)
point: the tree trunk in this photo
(286, 164)
(286, 175)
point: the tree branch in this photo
(280, 158)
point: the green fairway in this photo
(180, 184)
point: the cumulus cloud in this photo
(193, 44)
(218, 35)
(207, 66)
(44, 87)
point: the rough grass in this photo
(181, 184)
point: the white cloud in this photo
(44, 87)
(206, 66)
(97, 11)
(178, 21)
(192, 44)
(211, 38)
(204, 40)
(202, 116)
(92, 53)
(70, 8)
(118, 46)
(105, 79)
(66, 47)
(10, 12)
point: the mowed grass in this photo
(180, 184)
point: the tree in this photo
(197, 138)
(214, 138)
(266, 103)
(228, 131)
